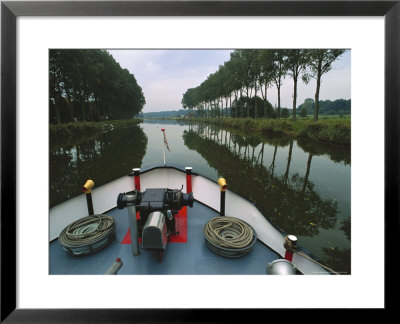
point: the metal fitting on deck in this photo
(126, 199)
(281, 267)
(114, 267)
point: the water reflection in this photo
(289, 199)
(302, 187)
(102, 159)
(339, 154)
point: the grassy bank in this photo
(333, 131)
(70, 131)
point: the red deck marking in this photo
(127, 239)
(180, 225)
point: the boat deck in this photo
(191, 257)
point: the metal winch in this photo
(157, 207)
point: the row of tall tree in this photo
(250, 72)
(89, 85)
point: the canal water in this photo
(302, 187)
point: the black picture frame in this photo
(10, 10)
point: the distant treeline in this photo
(89, 85)
(164, 114)
(326, 107)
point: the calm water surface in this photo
(302, 187)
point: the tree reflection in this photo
(339, 257)
(298, 201)
(286, 176)
(305, 182)
(102, 159)
(290, 201)
(336, 153)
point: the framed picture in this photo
(31, 28)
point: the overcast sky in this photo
(165, 75)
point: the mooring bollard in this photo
(223, 186)
(87, 189)
(290, 245)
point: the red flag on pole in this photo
(165, 139)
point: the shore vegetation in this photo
(329, 130)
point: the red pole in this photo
(188, 179)
(289, 255)
(136, 174)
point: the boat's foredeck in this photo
(191, 257)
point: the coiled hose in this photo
(87, 235)
(229, 236)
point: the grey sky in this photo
(165, 75)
